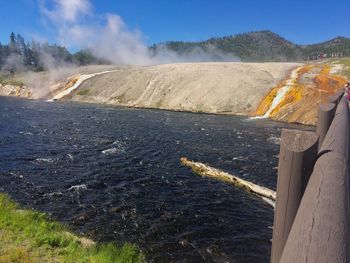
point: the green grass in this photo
(84, 92)
(30, 236)
(10, 80)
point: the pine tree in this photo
(13, 44)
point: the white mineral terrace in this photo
(80, 80)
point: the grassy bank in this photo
(29, 236)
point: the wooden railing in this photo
(312, 208)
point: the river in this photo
(114, 174)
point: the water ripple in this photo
(114, 174)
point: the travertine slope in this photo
(303, 91)
(225, 88)
(288, 92)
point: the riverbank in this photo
(288, 92)
(30, 236)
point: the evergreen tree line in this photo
(263, 46)
(19, 55)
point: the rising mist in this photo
(108, 38)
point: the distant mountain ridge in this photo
(261, 46)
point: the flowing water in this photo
(114, 174)
(76, 85)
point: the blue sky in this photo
(300, 21)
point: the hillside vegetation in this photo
(261, 46)
(19, 55)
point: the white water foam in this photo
(78, 187)
(120, 148)
(239, 158)
(26, 133)
(110, 151)
(275, 140)
(44, 160)
(70, 156)
(53, 194)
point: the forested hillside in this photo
(19, 55)
(262, 46)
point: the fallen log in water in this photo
(201, 169)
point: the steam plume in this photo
(109, 38)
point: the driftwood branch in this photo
(201, 169)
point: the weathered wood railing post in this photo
(298, 153)
(320, 232)
(326, 113)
